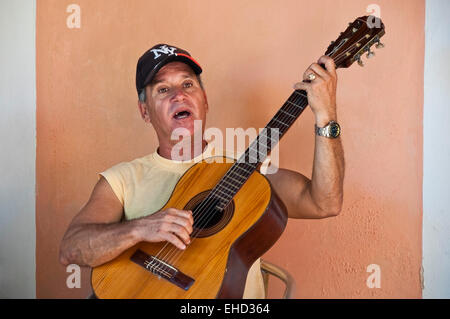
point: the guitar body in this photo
(218, 259)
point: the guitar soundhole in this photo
(208, 220)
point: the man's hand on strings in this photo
(172, 225)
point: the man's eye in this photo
(163, 90)
(188, 84)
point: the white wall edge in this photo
(18, 154)
(436, 151)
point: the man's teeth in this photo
(182, 114)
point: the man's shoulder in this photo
(132, 165)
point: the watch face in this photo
(335, 130)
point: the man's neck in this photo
(165, 150)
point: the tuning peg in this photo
(360, 62)
(379, 45)
(370, 54)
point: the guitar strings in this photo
(205, 206)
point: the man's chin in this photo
(183, 127)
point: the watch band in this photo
(331, 130)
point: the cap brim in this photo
(176, 57)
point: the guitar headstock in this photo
(357, 39)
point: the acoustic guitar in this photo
(237, 215)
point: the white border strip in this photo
(436, 151)
(18, 153)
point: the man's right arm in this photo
(96, 235)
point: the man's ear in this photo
(142, 106)
(206, 101)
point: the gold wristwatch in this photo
(331, 130)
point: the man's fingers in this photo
(184, 218)
(318, 70)
(329, 64)
(180, 216)
(302, 86)
(307, 74)
(173, 225)
(180, 231)
(178, 219)
(183, 213)
(186, 224)
(175, 240)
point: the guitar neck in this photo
(259, 149)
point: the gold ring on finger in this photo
(311, 76)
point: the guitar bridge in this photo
(162, 269)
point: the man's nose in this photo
(178, 94)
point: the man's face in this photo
(174, 100)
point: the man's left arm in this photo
(322, 195)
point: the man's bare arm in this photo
(322, 195)
(97, 235)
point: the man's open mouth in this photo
(182, 115)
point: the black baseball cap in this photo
(156, 57)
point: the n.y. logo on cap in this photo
(163, 49)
